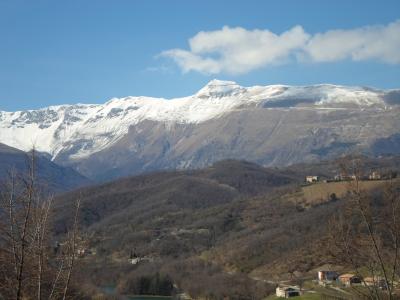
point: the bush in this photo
(140, 282)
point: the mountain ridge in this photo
(185, 132)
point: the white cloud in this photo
(237, 50)
(371, 42)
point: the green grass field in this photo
(306, 296)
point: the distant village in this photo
(374, 175)
(334, 280)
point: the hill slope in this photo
(157, 194)
(243, 219)
(52, 176)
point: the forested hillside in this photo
(50, 176)
(234, 219)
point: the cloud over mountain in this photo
(238, 50)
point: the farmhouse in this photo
(374, 176)
(84, 252)
(344, 177)
(340, 177)
(287, 291)
(378, 282)
(327, 276)
(134, 258)
(312, 179)
(349, 279)
(134, 261)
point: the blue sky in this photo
(55, 52)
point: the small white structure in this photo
(312, 179)
(344, 177)
(83, 252)
(134, 260)
(374, 176)
(287, 291)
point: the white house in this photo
(134, 260)
(374, 176)
(327, 276)
(287, 291)
(312, 179)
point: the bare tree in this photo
(365, 234)
(28, 265)
(41, 234)
(72, 240)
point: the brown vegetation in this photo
(214, 233)
(365, 235)
(32, 264)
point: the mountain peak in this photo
(217, 82)
(219, 88)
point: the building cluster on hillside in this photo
(331, 277)
(373, 175)
(349, 279)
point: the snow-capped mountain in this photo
(76, 134)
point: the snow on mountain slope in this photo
(94, 126)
